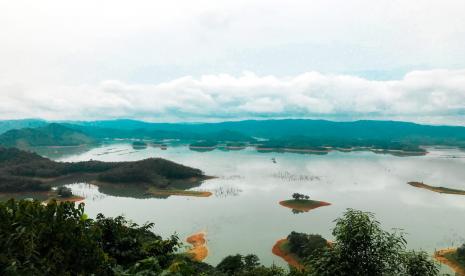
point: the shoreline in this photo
(400, 153)
(175, 192)
(199, 250)
(440, 256)
(441, 190)
(303, 205)
(288, 257)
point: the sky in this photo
(231, 60)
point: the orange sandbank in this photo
(199, 250)
(303, 205)
(290, 258)
(440, 256)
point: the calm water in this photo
(243, 215)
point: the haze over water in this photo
(243, 214)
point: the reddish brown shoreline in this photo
(290, 258)
(440, 257)
(199, 250)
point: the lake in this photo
(243, 214)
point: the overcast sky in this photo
(229, 60)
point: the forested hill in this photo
(49, 135)
(26, 171)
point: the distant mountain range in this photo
(297, 133)
(49, 135)
(18, 124)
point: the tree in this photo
(461, 252)
(361, 247)
(231, 264)
(64, 192)
(304, 245)
(298, 196)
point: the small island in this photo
(324, 146)
(452, 257)
(203, 146)
(139, 145)
(296, 246)
(302, 203)
(441, 190)
(199, 250)
(64, 193)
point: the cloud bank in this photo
(434, 96)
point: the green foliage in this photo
(305, 245)
(57, 239)
(362, 248)
(298, 196)
(52, 239)
(461, 252)
(248, 265)
(419, 264)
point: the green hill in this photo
(18, 124)
(26, 171)
(49, 135)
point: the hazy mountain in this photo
(49, 135)
(18, 124)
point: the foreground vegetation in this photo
(59, 239)
(22, 171)
(360, 247)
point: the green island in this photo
(441, 190)
(297, 246)
(203, 146)
(22, 171)
(324, 146)
(452, 257)
(139, 145)
(302, 203)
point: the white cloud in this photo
(436, 96)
